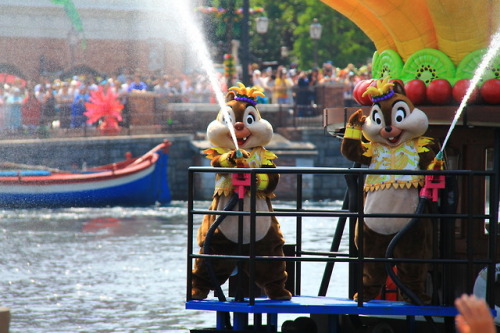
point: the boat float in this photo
(140, 181)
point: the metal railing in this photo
(445, 262)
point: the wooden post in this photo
(4, 319)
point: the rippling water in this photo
(115, 269)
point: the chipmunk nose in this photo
(388, 129)
(239, 126)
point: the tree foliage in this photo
(341, 41)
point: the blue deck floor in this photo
(323, 305)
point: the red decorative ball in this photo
(439, 92)
(490, 91)
(460, 89)
(416, 91)
(359, 90)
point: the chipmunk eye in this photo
(250, 119)
(250, 115)
(400, 115)
(400, 110)
(376, 117)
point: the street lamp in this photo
(284, 52)
(261, 24)
(315, 33)
(245, 51)
(73, 42)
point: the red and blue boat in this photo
(140, 181)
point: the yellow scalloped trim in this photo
(398, 185)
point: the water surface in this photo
(115, 269)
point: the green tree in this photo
(342, 42)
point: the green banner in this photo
(74, 17)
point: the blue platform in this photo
(323, 305)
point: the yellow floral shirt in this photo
(403, 157)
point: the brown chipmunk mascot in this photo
(252, 132)
(393, 131)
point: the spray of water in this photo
(485, 62)
(197, 42)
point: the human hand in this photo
(474, 315)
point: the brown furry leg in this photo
(271, 275)
(374, 274)
(415, 244)
(223, 268)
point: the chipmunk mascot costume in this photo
(393, 132)
(238, 136)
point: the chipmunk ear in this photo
(230, 96)
(398, 88)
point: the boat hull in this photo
(140, 182)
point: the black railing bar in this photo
(470, 246)
(345, 259)
(190, 234)
(308, 210)
(340, 171)
(253, 224)
(324, 253)
(298, 233)
(334, 213)
(493, 227)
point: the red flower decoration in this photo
(106, 106)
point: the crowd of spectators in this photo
(293, 86)
(28, 106)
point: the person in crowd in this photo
(64, 98)
(474, 315)
(73, 86)
(270, 78)
(349, 84)
(162, 87)
(48, 107)
(281, 86)
(257, 79)
(137, 84)
(78, 108)
(31, 111)
(13, 108)
(186, 88)
(174, 94)
(2, 108)
(303, 96)
(329, 74)
(40, 91)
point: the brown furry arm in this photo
(425, 159)
(273, 180)
(352, 147)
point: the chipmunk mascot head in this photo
(238, 136)
(393, 131)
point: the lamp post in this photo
(315, 33)
(284, 53)
(261, 24)
(245, 47)
(73, 42)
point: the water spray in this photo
(487, 59)
(197, 42)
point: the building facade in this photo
(38, 38)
